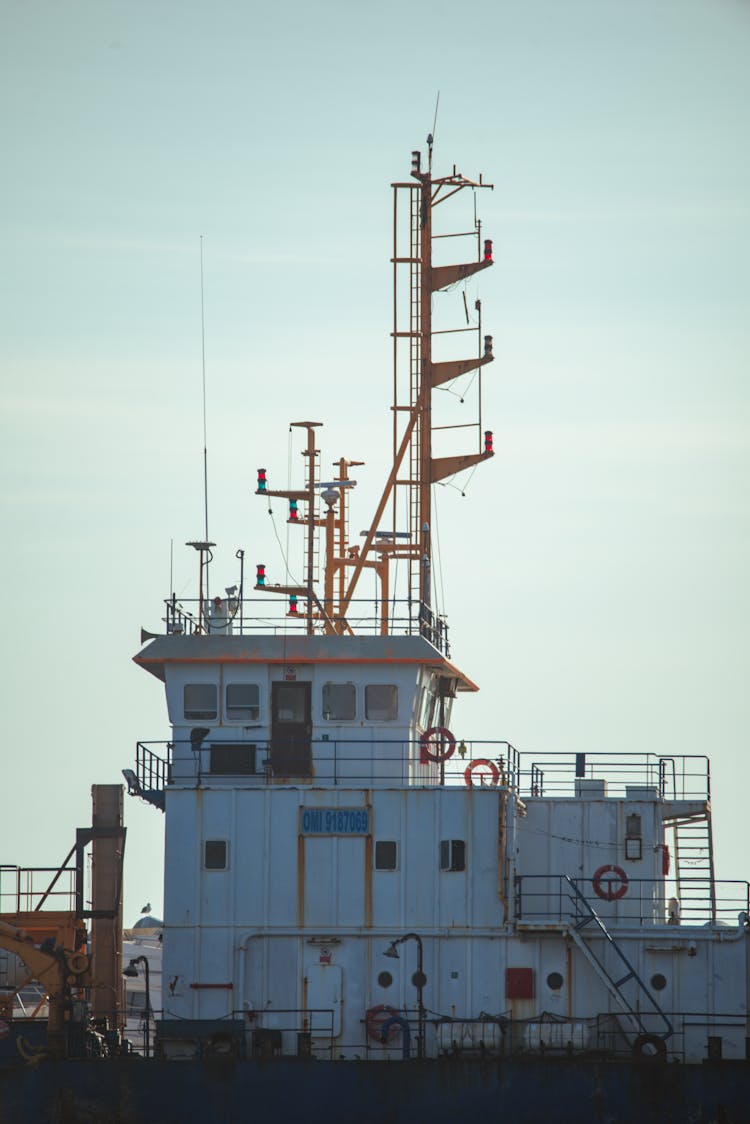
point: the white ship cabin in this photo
(346, 879)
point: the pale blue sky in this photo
(595, 573)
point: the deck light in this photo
(261, 479)
(488, 249)
(260, 574)
(416, 162)
(293, 516)
(488, 441)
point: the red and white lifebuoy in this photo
(610, 883)
(486, 766)
(442, 738)
(376, 1018)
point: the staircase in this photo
(643, 1015)
(694, 867)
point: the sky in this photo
(594, 572)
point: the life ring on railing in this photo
(376, 1018)
(429, 737)
(649, 1048)
(610, 888)
(482, 763)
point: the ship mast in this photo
(403, 533)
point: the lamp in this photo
(131, 972)
(418, 979)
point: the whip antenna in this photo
(431, 136)
(203, 368)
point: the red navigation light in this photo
(488, 249)
(488, 441)
(261, 479)
(260, 574)
(293, 611)
(293, 516)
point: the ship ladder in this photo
(645, 1017)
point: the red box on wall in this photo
(519, 983)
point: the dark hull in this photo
(568, 1091)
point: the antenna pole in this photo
(205, 438)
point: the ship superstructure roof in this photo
(298, 649)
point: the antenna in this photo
(205, 439)
(431, 136)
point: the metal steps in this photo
(642, 1013)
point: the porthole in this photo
(385, 979)
(658, 981)
(554, 981)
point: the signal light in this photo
(488, 345)
(260, 574)
(488, 249)
(293, 516)
(261, 479)
(488, 441)
(293, 611)
(416, 161)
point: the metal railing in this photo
(271, 616)
(549, 899)
(28, 889)
(686, 777)
(399, 761)
(336, 762)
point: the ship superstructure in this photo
(347, 878)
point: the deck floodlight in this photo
(392, 951)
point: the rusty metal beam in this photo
(449, 466)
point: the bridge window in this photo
(386, 854)
(242, 702)
(200, 701)
(452, 854)
(215, 854)
(339, 702)
(381, 702)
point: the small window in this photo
(452, 854)
(215, 854)
(339, 702)
(243, 702)
(427, 710)
(386, 854)
(633, 825)
(232, 760)
(199, 700)
(381, 702)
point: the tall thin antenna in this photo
(203, 366)
(431, 137)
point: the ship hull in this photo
(225, 1091)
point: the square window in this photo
(386, 854)
(452, 854)
(199, 700)
(215, 854)
(242, 702)
(339, 702)
(381, 702)
(232, 760)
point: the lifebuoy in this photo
(607, 887)
(429, 737)
(649, 1048)
(482, 763)
(376, 1018)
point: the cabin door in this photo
(291, 730)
